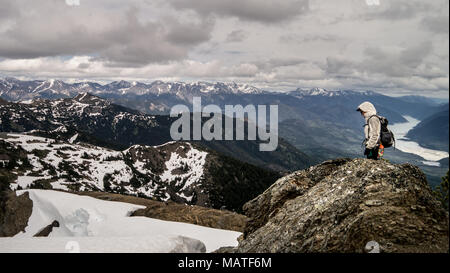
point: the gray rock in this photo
(341, 206)
(14, 214)
(188, 245)
(45, 232)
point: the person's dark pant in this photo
(373, 154)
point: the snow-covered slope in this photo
(103, 123)
(321, 92)
(140, 170)
(182, 172)
(93, 225)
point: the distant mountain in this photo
(158, 97)
(100, 122)
(325, 140)
(433, 131)
(423, 100)
(16, 90)
(177, 171)
(329, 114)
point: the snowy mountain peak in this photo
(121, 84)
(368, 93)
(301, 92)
(87, 98)
(319, 91)
(17, 90)
(10, 79)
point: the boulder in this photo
(15, 214)
(347, 206)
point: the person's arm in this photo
(374, 132)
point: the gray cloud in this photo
(397, 10)
(273, 63)
(121, 38)
(190, 34)
(401, 45)
(307, 38)
(406, 63)
(264, 11)
(339, 66)
(415, 55)
(83, 65)
(436, 24)
(7, 10)
(236, 36)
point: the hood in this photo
(368, 108)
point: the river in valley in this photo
(431, 157)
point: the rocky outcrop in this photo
(341, 206)
(47, 230)
(14, 214)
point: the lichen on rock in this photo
(341, 205)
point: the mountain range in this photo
(158, 97)
(314, 124)
(100, 122)
(176, 171)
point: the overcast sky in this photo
(396, 47)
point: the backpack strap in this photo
(368, 127)
(372, 117)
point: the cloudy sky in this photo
(390, 46)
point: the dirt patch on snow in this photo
(170, 211)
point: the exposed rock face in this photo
(16, 212)
(47, 230)
(341, 205)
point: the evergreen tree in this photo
(441, 192)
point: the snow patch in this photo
(105, 226)
(194, 160)
(72, 139)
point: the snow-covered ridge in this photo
(23, 90)
(301, 92)
(83, 110)
(139, 170)
(192, 163)
(93, 225)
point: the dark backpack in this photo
(386, 136)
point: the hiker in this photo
(372, 130)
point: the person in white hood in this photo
(372, 129)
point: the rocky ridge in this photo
(346, 205)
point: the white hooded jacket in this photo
(373, 125)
